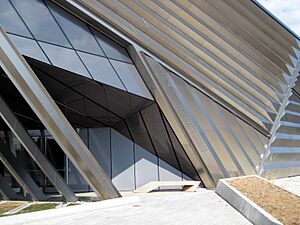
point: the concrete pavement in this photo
(203, 207)
(291, 184)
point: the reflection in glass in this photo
(131, 78)
(101, 70)
(139, 132)
(40, 21)
(183, 159)
(10, 20)
(111, 48)
(64, 58)
(29, 47)
(55, 155)
(159, 135)
(77, 31)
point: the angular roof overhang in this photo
(233, 51)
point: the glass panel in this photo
(77, 31)
(40, 21)
(75, 181)
(101, 70)
(111, 48)
(131, 78)
(54, 153)
(99, 145)
(167, 173)
(139, 132)
(122, 128)
(88, 89)
(29, 48)
(185, 163)
(64, 58)
(159, 135)
(146, 166)
(122, 162)
(118, 103)
(100, 114)
(11, 21)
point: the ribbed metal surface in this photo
(226, 145)
(231, 49)
(283, 155)
(233, 69)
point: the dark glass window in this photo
(55, 154)
(159, 135)
(139, 132)
(185, 163)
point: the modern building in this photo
(107, 95)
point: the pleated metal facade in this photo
(232, 51)
(207, 87)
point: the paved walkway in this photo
(291, 184)
(203, 207)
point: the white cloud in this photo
(288, 11)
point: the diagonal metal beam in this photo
(40, 101)
(180, 121)
(17, 170)
(6, 191)
(16, 127)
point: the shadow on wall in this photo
(128, 164)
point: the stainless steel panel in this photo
(280, 158)
(226, 145)
(235, 59)
(230, 50)
(48, 112)
(157, 80)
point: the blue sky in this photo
(288, 11)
